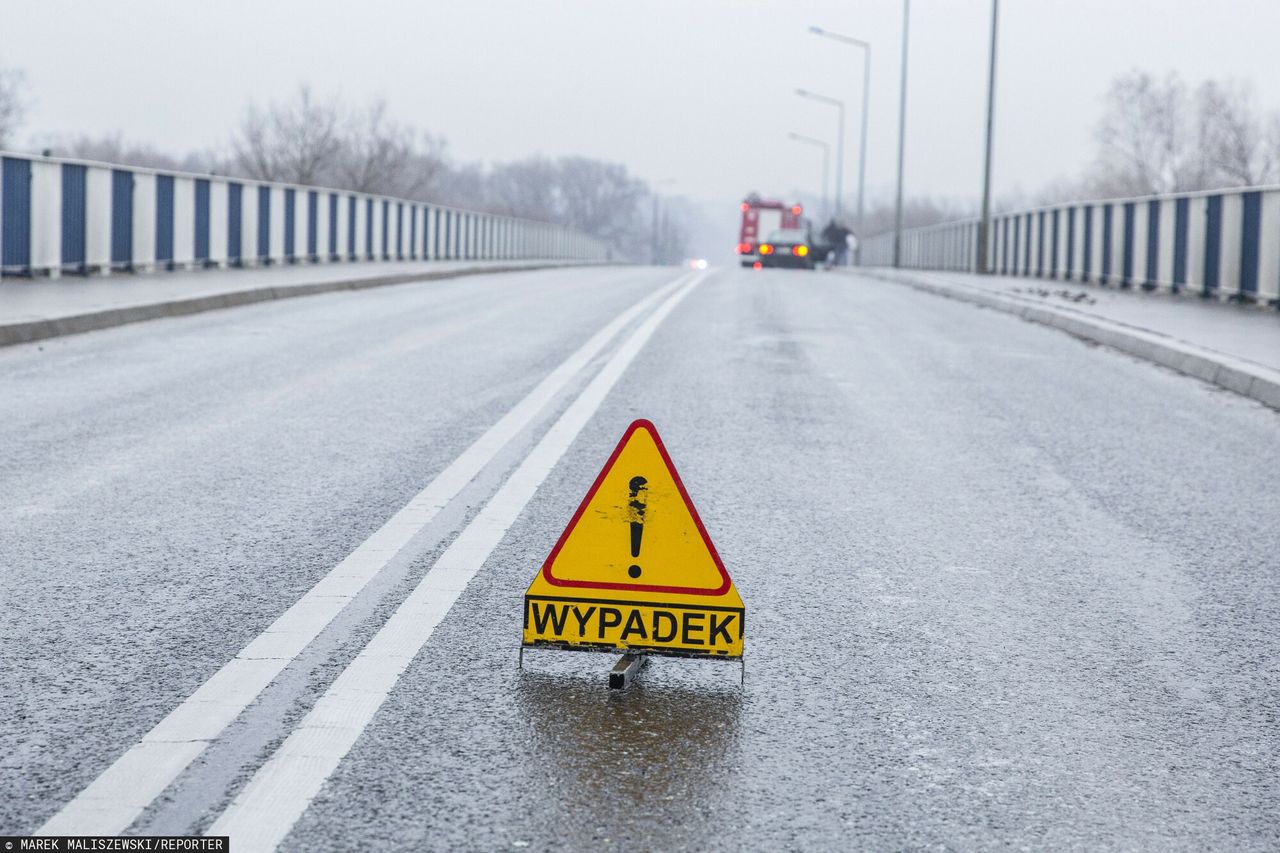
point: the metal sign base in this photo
(626, 670)
(628, 667)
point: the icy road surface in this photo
(1002, 588)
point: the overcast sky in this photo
(696, 91)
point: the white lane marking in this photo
(119, 795)
(267, 808)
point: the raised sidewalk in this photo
(34, 309)
(1233, 346)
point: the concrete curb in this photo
(1234, 374)
(74, 324)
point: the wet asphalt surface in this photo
(1003, 589)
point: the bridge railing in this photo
(64, 215)
(1218, 243)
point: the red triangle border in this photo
(640, 423)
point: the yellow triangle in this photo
(636, 541)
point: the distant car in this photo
(788, 247)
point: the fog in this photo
(696, 96)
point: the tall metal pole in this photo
(866, 100)
(835, 102)
(840, 164)
(984, 230)
(862, 144)
(901, 137)
(826, 173)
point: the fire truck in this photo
(773, 234)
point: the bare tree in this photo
(380, 155)
(309, 140)
(603, 199)
(295, 141)
(1144, 139)
(1155, 137)
(528, 188)
(13, 106)
(253, 149)
(318, 141)
(428, 164)
(595, 197)
(1273, 143)
(1233, 135)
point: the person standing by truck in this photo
(836, 238)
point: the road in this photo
(1002, 588)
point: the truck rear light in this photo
(795, 211)
(766, 249)
(744, 248)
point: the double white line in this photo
(281, 790)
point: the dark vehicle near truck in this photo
(788, 247)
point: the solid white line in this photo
(267, 808)
(119, 795)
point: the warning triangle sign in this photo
(636, 555)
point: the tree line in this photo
(323, 141)
(1154, 135)
(1159, 135)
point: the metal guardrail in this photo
(1219, 243)
(62, 215)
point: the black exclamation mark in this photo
(635, 511)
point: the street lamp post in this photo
(902, 131)
(826, 157)
(866, 99)
(835, 102)
(984, 230)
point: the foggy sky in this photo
(697, 91)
